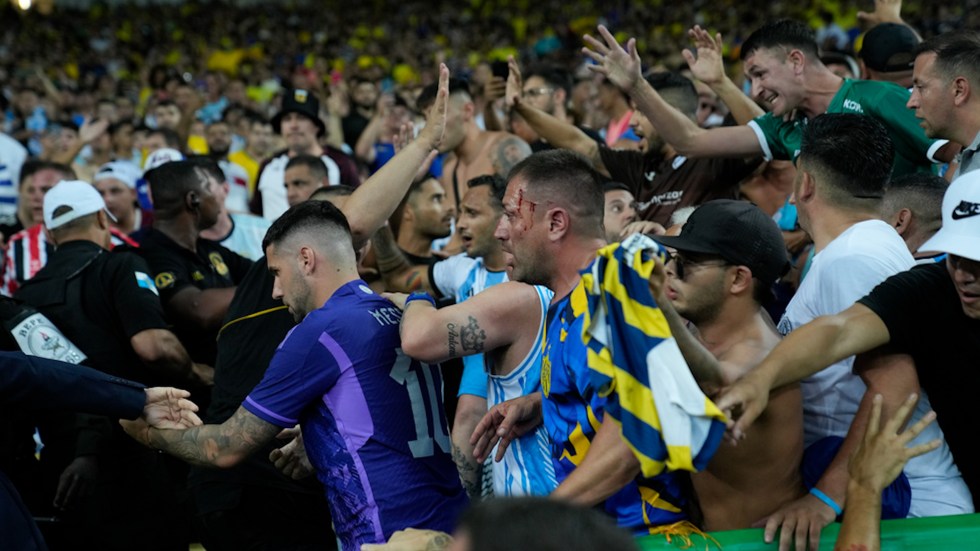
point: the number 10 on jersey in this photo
(406, 373)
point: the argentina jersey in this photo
(461, 277)
(573, 413)
(526, 468)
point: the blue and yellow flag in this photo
(635, 362)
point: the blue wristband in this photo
(827, 501)
(419, 295)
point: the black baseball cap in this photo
(738, 232)
(304, 103)
(889, 47)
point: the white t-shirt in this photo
(272, 184)
(12, 157)
(846, 270)
(237, 178)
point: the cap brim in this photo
(682, 243)
(945, 241)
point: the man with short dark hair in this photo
(620, 210)
(786, 74)
(301, 127)
(196, 277)
(219, 137)
(946, 81)
(370, 414)
(304, 174)
(912, 205)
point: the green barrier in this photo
(960, 532)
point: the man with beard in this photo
(218, 135)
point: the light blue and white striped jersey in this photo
(527, 468)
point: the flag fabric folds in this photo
(636, 364)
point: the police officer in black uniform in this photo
(107, 305)
(196, 277)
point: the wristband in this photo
(826, 500)
(420, 295)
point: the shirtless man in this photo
(728, 256)
(474, 152)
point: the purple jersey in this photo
(373, 419)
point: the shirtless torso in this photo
(479, 154)
(745, 483)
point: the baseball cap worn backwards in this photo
(80, 198)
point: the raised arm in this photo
(399, 275)
(373, 202)
(622, 67)
(708, 67)
(556, 132)
(497, 317)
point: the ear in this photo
(306, 258)
(961, 91)
(103, 219)
(192, 200)
(469, 111)
(797, 60)
(902, 221)
(559, 223)
(742, 281)
(808, 188)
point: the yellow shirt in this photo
(251, 166)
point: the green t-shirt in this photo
(883, 100)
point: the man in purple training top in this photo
(372, 418)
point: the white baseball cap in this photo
(82, 198)
(160, 157)
(123, 171)
(960, 234)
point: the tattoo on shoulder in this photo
(507, 152)
(472, 336)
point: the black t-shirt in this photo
(173, 268)
(253, 328)
(925, 319)
(99, 300)
(662, 185)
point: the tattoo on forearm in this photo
(205, 445)
(470, 472)
(508, 152)
(472, 336)
(453, 338)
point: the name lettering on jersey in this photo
(853, 106)
(387, 316)
(667, 198)
(650, 175)
(218, 263)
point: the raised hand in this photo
(515, 84)
(92, 129)
(435, 122)
(883, 453)
(707, 66)
(620, 65)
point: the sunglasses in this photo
(684, 265)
